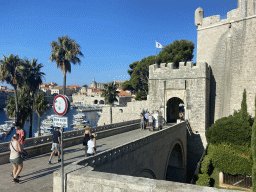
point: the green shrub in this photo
(205, 165)
(254, 152)
(230, 129)
(203, 180)
(231, 159)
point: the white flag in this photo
(158, 45)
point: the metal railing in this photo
(70, 134)
(243, 181)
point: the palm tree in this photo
(23, 103)
(33, 78)
(110, 93)
(41, 106)
(64, 52)
(10, 71)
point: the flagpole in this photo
(155, 56)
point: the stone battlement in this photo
(187, 70)
(246, 9)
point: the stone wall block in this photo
(162, 65)
(170, 65)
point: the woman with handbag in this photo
(15, 158)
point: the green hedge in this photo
(230, 129)
(203, 180)
(205, 165)
(231, 159)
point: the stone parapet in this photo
(186, 70)
(70, 138)
(86, 180)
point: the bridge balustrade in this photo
(70, 134)
(111, 154)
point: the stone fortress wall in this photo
(229, 46)
(189, 83)
(119, 114)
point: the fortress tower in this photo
(228, 46)
(188, 87)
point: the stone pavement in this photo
(36, 175)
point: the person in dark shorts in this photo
(15, 159)
(55, 144)
(142, 121)
(91, 147)
(146, 119)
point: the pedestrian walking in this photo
(150, 122)
(91, 147)
(146, 119)
(142, 121)
(21, 133)
(15, 159)
(56, 142)
(155, 115)
(87, 134)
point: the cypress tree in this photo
(253, 144)
(243, 112)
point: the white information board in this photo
(60, 122)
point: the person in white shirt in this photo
(15, 159)
(91, 147)
(155, 115)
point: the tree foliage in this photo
(110, 94)
(253, 143)
(40, 106)
(230, 130)
(85, 85)
(33, 77)
(64, 52)
(176, 52)
(11, 71)
(23, 103)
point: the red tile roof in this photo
(124, 94)
(72, 86)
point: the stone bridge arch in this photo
(176, 163)
(146, 173)
(95, 101)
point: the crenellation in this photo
(190, 64)
(184, 71)
(170, 65)
(162, 65)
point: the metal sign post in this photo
(62, 162)
(61, 107)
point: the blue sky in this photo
(112, 33)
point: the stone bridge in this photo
(125, 154)
(161, 155)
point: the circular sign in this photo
(61, 104)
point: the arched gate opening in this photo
(175, 108)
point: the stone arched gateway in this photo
(175, 165)
(95, 102)
(175, 107)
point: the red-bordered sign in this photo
(61, 104)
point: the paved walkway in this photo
(36, 175)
